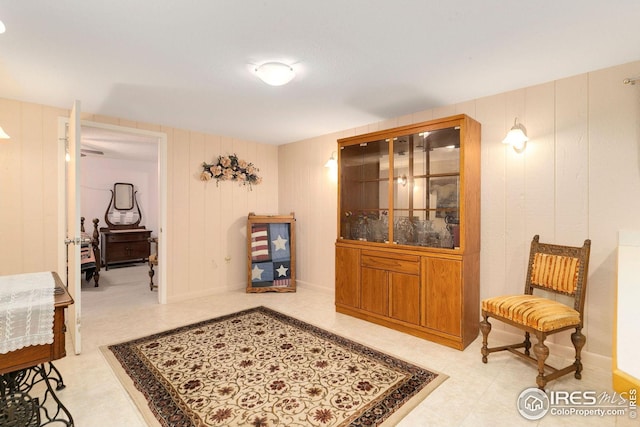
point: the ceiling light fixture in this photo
(275, 73)
(517, 137)
(2, 27)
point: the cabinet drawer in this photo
(408, 265)
(127, 237)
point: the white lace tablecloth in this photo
(26, 310)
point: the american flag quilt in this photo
(270, 255)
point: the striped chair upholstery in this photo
(536, 312)
(556, 272)
(554, 269)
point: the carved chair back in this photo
(559, 269)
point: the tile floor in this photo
(475, 394)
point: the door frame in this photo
(161, 138)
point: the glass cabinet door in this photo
(364, 191)
(426, 188)
(410, 196)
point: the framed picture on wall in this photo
(271, 253)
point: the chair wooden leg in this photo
(578, 340)
(542, 352)
(151, 274)
(527, 343)
(485, 327)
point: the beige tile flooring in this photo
(475, 394)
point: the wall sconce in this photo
(517, 137)
(3, 134)
(332, 163)
(275, 73)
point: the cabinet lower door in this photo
(443, 295)
(118, 251)
(375, 291)
(404, 298)
(348, 277)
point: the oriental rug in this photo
(259, 367)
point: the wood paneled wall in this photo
(28, 187)
(206, 224)
(578, 178)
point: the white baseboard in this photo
(239, 287)
(206, 293)
(314, 286)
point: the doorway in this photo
(111, 141)
(113, 154)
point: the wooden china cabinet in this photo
(408, 249)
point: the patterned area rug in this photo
(262, 368)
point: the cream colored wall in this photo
(205, 224)
(208, 222)
(28, 187)
(578, 178)
(97, 177)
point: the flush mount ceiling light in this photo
(275, 73)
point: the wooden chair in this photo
(153, 261)
(557, 270)
(90, 253)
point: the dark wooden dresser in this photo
(125, 245)
(124, 239)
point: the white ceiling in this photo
(188, 64)
(99, 142)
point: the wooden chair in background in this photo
(153, 261)
(557, 270)
(90, 261)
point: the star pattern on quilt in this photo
(280, 243)
(256, 273)
(282, 271)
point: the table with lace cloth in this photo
(26, 310)
(31, 337)
(34, 354)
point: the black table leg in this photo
(19, 408)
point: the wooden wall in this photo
(578, 178)
(29, 187)
(205, 223)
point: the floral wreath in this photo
(229, 168)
